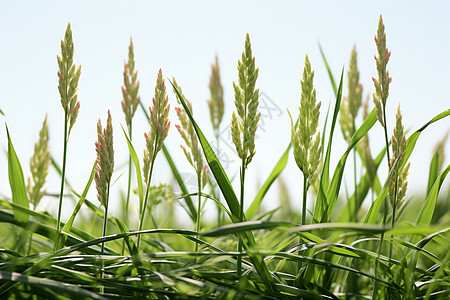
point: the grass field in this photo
(374, 241)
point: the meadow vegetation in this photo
(389, 248)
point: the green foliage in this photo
(331, 258)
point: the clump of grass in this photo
(335, 260)
(68, 75)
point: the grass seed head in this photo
(307, 152)
(382, 83)
(215, 103)
(193, 152)
(105, 160)
(159, 124)
(130, 87)
(398, 180)
(39, 166)
(68, 75)
(245, 123)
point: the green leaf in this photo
(68, 226)
(75, 291)
(16, 181)
(411, 142)
(1, 112)
(321, 208)
(279, 167)
(333, 83)
(192, 211)
(433, 173)
(135, 159)
(224, 184)
(428, 208)
(333, 191)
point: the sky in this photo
(182, 38)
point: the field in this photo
(370, 241)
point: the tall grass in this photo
(344, 252)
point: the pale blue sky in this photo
(182, 38)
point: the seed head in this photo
(159, 124)
(244, 125)
(215, 103)
(105, 160)
(68, 79)
(130, 87)
(398, 180)
(193, 152)
(382, 83)
(39, 166)
(307, 151)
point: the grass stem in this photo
(63, 172)
(241, 218)
(141, 222)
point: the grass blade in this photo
(135, 159)
(64, 287)
(187, 198)
(279, 167)
(16, 182)
(322, 202)
(411, 142)
(333, 83)
(68, 226)
(333, 191)
(231, 199)
(433, 173)
(428, 208)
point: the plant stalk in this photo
(199, 207)
(105, 222)
(58, 224)
(241, 218)
(141, 222)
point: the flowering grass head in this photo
(215, 103)
(351, 104)
(130, 87)
(245, 123)
(39, 166)
(105, 160)
(398, 180)
(382, 83)
(307, 151)
(159, 124)
(193, 152)
(68, 78)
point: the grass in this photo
(336, 251)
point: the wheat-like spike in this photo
(105, 160)
(39, 163)
(244, 125)
(194, 155)
(306, 151)
(215, 103)
(130, 87)
(397, 180)
(382, 83)
(159, 124)
(350, 105)
(68, 75)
